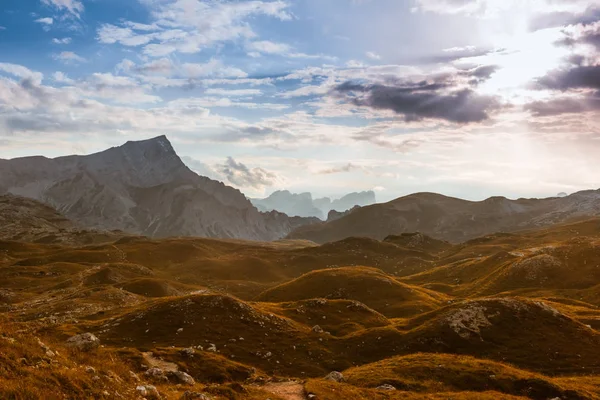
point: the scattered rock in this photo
(148, 391)
(187, 352)
(212, 347)
(385, 387)
(195, 396)
(90, 370)
(182, 377)
(317, 329)
(84, 342)
(156, 374)
(335, 376)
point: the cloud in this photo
(567, 105)
(65, 40)
(578, 77)
(162, 66)
(22, 72)
(373, 56)
(119, 89)
(212, 68)
(492, 8)
(209, 102)
(233, 92)
(255, 49)
(2, 28)
(268, 47)
(60, 77)
(581, 35)
(242, 176)
(68, 57)
(457, 54)
(422, 100)
(564, 18)
(74, 7)
(344, 168)
(110, 34)
(188, 26)
(45, 21)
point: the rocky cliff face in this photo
(143, 188)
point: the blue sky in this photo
(470, 98)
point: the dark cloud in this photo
(588, 35)
(242, 176)
(564, 106)
(577, 77)
(422, 101)
(556, 19)
(458, 54)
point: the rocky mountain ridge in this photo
(304, 205)
(452, 219)
(143, 188)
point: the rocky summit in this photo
(141, 188)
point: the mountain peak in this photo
(159, 144)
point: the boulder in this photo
(84, 342)
(182, 377)
(335, 376)
(195, 396)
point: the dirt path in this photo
(286, 390)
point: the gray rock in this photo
(182, 377)
(317, 329)
(195, 396)
(335, 376)
(385, 387)
(187, 352)
(148, 391)
(84, 342)
(156, 374)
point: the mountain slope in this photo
(142, 188)
(452, 219)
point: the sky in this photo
(468, 98)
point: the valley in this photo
(407, 317)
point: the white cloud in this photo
(373, 56)
(212, 68)
(74, 7)
(111, 34)
(2, 28)
(20, 71)
(268, 47)
(233, 92)
(68, 57)
(60, 77)
(256, 49)
(209, 102)
(65, 40)
(188, 26)
(45, 21)
(492, 8)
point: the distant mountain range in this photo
(452, 219)
(303, 204)
(142, 188)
